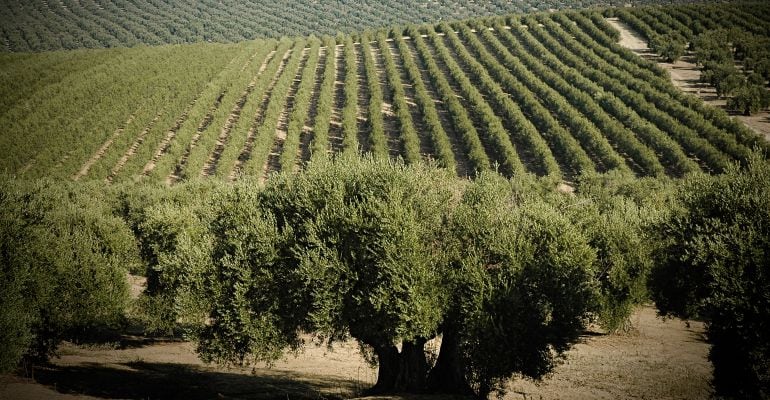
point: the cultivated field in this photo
(549, 94)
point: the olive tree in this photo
(345, 248)
(64, 260)
(670, 47)
(392, 256)
(522, 288)
(713, 264)
(749, 99)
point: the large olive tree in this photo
(392, 256)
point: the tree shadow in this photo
(143, 380)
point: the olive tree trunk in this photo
(447, 376)
(400, 372)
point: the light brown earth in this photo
(655, 359)
(686, 76)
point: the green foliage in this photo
(171, 228)
(712, 264)
(616, 213)
(749, 99)
(523, 284)
(41, 26)
(559, 98)
(372, 227)
(64, 261)
(670, 47)
(251, 298)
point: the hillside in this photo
(41, 25)
(552, 94)
(466, 202)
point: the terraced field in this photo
(550, 94)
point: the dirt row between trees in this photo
(390, 125)
(132, 149)
(251, 136)
(458, 148)
(426, 148)
(686, 76)
(83, 171)
(170, 135)
(272, 164)
(235, 114)
(307, 134)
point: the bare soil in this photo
(655, 359)
(362, 102)
(686, 76)
(272, 164)
(258, 118)
(83, 171)
(306, 137)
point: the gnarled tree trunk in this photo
(413, 368)
(400, 372)
(447, 376)
(387, 371)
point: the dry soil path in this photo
(686, 76)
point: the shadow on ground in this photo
(142, 380)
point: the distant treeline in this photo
(40, 25)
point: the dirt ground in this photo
(656, 359)
(686, 76)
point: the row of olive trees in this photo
(410, 140)
(746, 90)
(442, 147)
(460, 116)
(507, 272)
(501, 270)
(393, 256)
(694, 134)
(717, 49)
(612, 98)
(654, 76)
(563, 82)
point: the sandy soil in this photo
(655, 359)
(686, 76)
